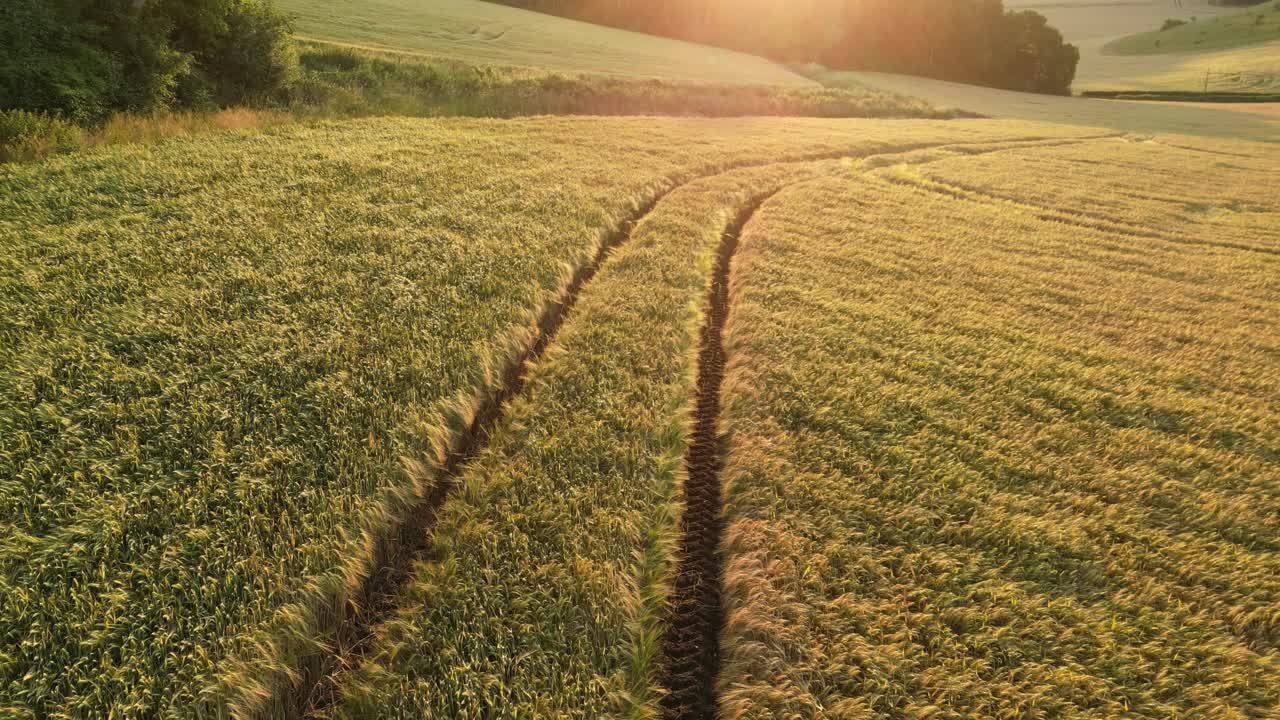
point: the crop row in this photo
(989, 464)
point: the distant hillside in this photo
(488, 33)
(971, 41)
(1247, 27)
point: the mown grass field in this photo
(492, 34)
(1013, 452)
(1251, 68)
(217, 351)
(1258, 122)
(1085, 19)
(1248, 26)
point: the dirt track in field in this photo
(691, 644)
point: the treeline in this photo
(82, 59)
(974, 41)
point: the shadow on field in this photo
(1256, 121)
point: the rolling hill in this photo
(488, 33)
(1256, 25)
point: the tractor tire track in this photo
(691, 646)
(1207, 151)
(376, 600)
(358, 634)
(1076, 218)
(1080, 219)
(320, 676)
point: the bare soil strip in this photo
(691, 646)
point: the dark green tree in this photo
(1034, 57)
(85, 58)
(54, 58)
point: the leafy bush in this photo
(972, 42)
(254, 58)
(27, 134)
(1035, 57)
(50, 60)
(82, 59)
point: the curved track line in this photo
(1076, 219)
(319, 676)
(691, 645)
(1208, 151)
(358, 632)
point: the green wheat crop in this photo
(1004, 440)
(215, 352)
